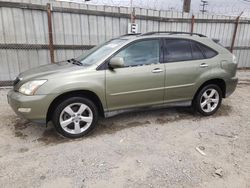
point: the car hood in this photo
(47, 70)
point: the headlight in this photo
(29, 88)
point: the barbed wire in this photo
(227, 8)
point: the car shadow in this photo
(119, 122)
(128, 120)
(152, 116)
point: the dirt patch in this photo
(137, 123)
(20, 135)
(23, 150)
(42, 177)
(182, 114)
(107, 127)
(224, 110)
(21, 124)
(51, 137)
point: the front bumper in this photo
(231, 85)
(36, 106)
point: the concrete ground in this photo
(157, 148)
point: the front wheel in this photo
(208, 100)
(75, 117)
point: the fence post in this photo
(192, 24)
(235, 31)
(51, 45)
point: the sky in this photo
(220, 7)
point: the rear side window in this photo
(177, 50)
(196, 51)
(208, 52)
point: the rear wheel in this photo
(208, 100)
(75, 117)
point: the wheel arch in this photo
(80, 93)
(217, 81)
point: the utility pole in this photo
(204, 3)
(132, 26)
(132, 16)
(186, 5)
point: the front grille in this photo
(15, 82)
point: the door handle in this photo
(157, 70)
(203, 65)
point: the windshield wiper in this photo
(75, 62)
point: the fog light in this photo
(26, 110)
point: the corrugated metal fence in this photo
(25, 41)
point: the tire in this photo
(75, 117)
(208, 100)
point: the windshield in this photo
(97, 53)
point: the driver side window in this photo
(140, 53)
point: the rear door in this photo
(184, 62)
(141, 81)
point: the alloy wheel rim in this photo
(76, 118)
(209, 100)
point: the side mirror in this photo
(116, 62)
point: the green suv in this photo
(128, 72)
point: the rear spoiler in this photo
(216, 40)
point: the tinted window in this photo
(141, 53)
(177, 50)
(207, 51)
(196, 51)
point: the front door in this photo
(141, 81)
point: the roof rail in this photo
(130, 34)
(172, 33)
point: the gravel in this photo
(154, 148)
